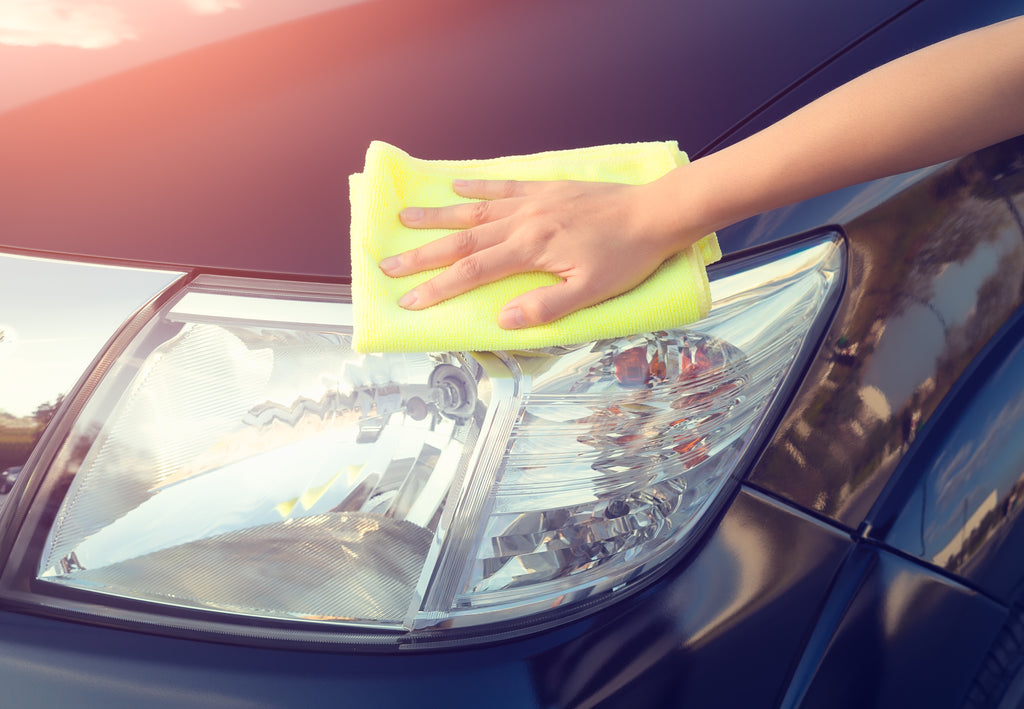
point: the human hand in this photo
(600, 238)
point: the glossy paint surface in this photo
(935, 270)
(59, 44)
(236, 154)
(890, 650)
(963, 513)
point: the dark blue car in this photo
(811, 498)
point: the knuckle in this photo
(468, 269)
(508, 188)
(537, 243)
(465, 242)
(479, 211)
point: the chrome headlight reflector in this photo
(240, 458)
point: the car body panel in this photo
(962, 511)
(888, 649)
(235, 155)
(57, 45)
(935, 270)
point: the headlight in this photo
(239, 460)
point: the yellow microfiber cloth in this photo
(674, 295)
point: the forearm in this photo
(935, 104)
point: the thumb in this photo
(544, 305)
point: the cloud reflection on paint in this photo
(65, 23)
(212, 7)
(84, 25)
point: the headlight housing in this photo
(238, 461)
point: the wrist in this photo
(675, 211)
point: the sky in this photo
(51, 333)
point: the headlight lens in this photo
(240, 458)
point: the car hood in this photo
(220, 134)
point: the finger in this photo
(547, 304)
(455, 216)
(496, 189)
(464, 275)
(443, 251)
(493, 206)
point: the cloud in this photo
(65, 23)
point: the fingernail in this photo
(411, 214)
(391, 264)
(511, 319)
(408, 300)
(460, 183)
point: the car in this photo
(811, 498)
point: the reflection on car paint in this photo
(939, 266)
(962, 513)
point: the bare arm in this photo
(935, 104)
(943, 101)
